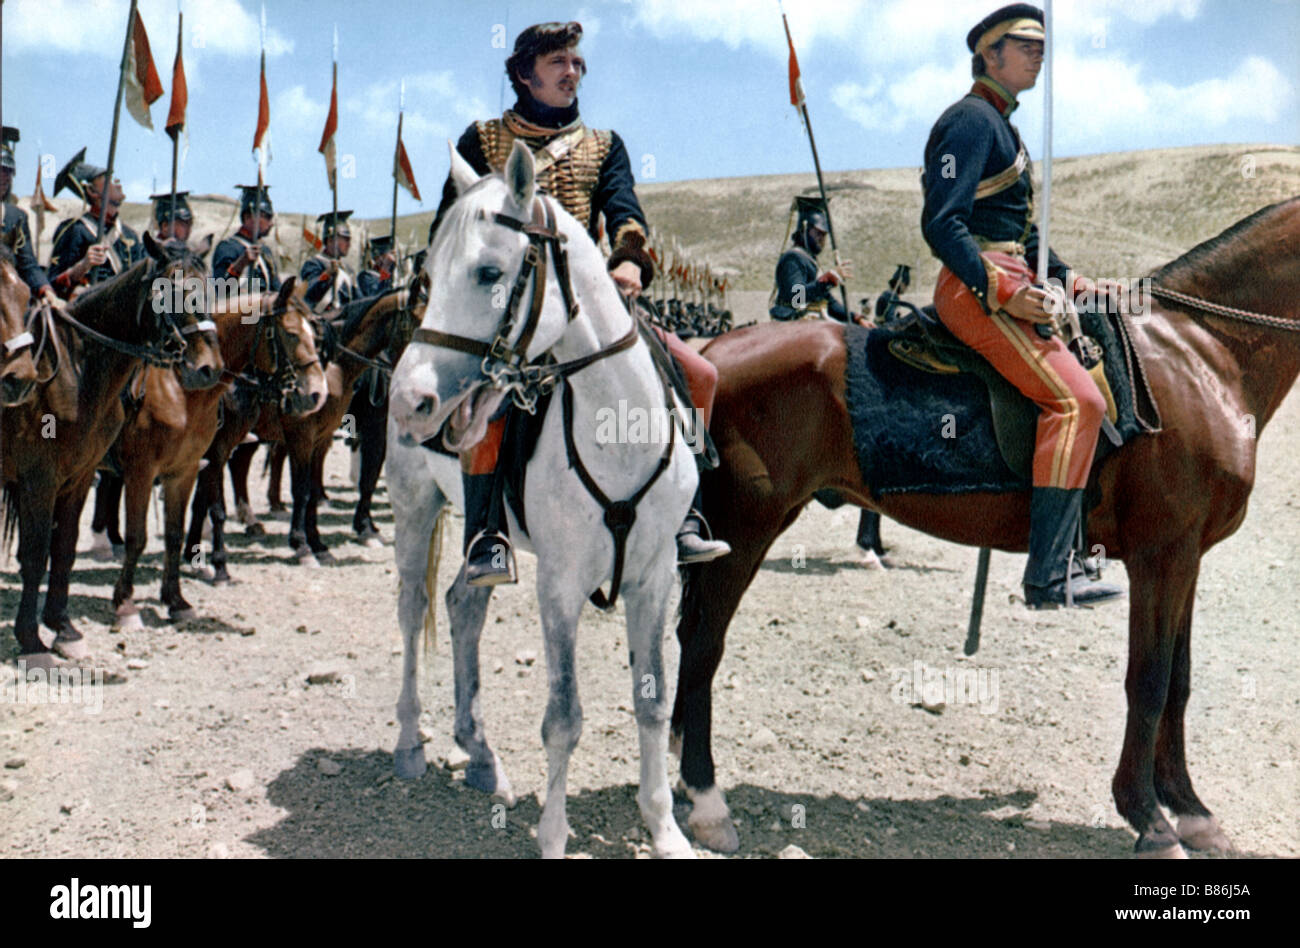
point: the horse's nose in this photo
(427, 406)
(315, 398)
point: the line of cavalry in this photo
(789, 422)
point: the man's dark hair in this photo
(538, 41)
(977, 65)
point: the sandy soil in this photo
(816, 723)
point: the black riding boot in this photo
(489, 561)
(1053, 578)
(691, 546)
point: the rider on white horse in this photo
(588, 172)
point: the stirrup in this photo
(489, 560)
(692, 547)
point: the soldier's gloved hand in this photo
(96, 255)
(1030, 304)
(251, 254)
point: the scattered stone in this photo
(763, 739)
(867, 674)
(776, 828)
(15, 763)
(935, 708)
(218, 851)
(523, 672)
(425, 735)
(891, 830)
(792, 852)
(1011, 847)
(241, 780)
(498, 667)
(457, 759)
(137, 664)
(162, 704)
(863, 806)
(329, 767)
(324, 673)
(525, 656)
(67, 808)
(247, 632)
(301, 630)
(964, 760)
(1040, 825)
(383, 778)
(864, 622)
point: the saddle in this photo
(930, 415)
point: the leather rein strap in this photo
(508, 368)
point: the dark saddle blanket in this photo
(930, 415)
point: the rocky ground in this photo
(264, 728)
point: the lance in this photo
(1044, 220)
(334, 172)
(261, 145)
(180, 19)
(117, 114)
(401, 107)
(800, 101)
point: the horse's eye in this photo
(487, 276)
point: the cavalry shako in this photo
(330, 283)
(244, 256)
(978, 220)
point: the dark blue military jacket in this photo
(73, 237)
(261, 277)
(373, 282)
(798, 268)
(316, 274)
(974, 140)
(28, 269)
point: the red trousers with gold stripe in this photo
(1044, 370)
(701, 379)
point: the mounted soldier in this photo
(330, 283)
(978, 220)
(380, 264)
(244, 255)
(588, 172)
(80, 256)
(803, 289)
(175, 221)
(13, 224)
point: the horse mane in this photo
(1208, 256)
(350, 316)
(107, 295)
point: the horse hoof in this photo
(42, 660)
(1155, 850)
(101, 552)
(307, 559)
(674, 847)
(1202, 833)
(221, 578)
(719, 834)
(409, 762)
(255, 530)
(491, 778)
(128, 621)
(74, 650)
(182, 615)
(324, 557)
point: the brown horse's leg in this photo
(712, 594)
(240, 460)
(300, 487)
(315, 494)
(203, 490)
(277, 454)
(176, 491)
(68, 641)
(35, 500)
(1197, 827)
(1161, 583)
(138, 484)
(106, 538)
(372, 431)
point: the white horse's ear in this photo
(462, 175)
(521, 176)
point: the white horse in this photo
(480, 247)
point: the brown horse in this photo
(17, 363)
(55, 442)
(294, 382)
(782, 427)
(351, 339)
(173, 428)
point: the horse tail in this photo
(10, 514)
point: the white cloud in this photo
(82, 26)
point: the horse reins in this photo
(508, 368)
(505, 365)
(283, 377)
(1229, 312)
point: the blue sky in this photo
(696, 89)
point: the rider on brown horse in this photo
(244, 256)
(978, 221)
(13, 218)
(80, 256)
(588, 172)
(802, 288)
(329, 280)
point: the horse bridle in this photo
(166, 352)
(283, 377)
(506, 365)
